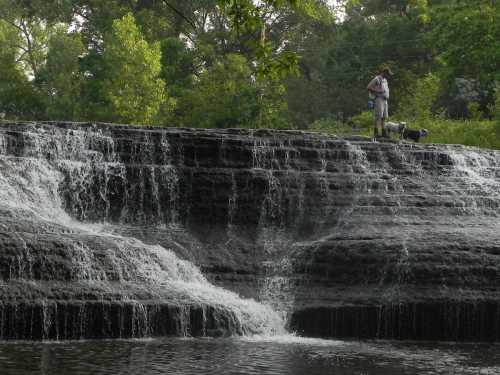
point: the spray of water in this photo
(30, 188)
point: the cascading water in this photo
(476, 174)
(276, 284)
(418, 234)
(101, 227)
(71, 166)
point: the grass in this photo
(478, 133)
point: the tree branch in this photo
(180, 14)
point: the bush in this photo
(470, 133)
(331, 126)
(496, 110)
(417, 107)
(474, 111)
(364, 121)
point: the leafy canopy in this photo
(132, 84)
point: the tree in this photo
(496, 105)
(339, 59)
(179, 65)
(225, 96)
(418, 106)
(33, 35)
(468, 38)
(18, 97)
(250, 20)
(61, 77)
(132, 85)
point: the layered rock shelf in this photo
(114, 231)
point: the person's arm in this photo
(375, 86)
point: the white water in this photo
(30, 190)
(478, 172)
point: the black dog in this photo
(414, 135)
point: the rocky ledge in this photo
(347, 237)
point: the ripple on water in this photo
(292, 339)
(285, 354)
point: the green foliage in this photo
(62, 78)
(331, 126)
(132, 85)
(470, 133)
(269, 63)
(363, 121)
(339, 60)
(418, 104)
(18, 97)
(412, 9)
(33, 34)
(223, 97)
(114, 63)
(248, 17)
(154, 25)
(468, 34)
(178, 65)
(496, 105)
(272, 106)
(227, 96)
(474, 110)
(496, 110)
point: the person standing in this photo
(379, 87)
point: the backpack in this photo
(371, 100)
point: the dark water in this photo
(286, 355)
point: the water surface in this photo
(257, 355)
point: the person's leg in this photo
(375, 128)
(384, 116)
(378, 113)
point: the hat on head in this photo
(386, 69)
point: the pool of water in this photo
(254, 355)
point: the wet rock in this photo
(346, 237)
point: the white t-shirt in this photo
(381, 82)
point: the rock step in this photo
(72, 320)
(437, 321)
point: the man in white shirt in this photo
(379, 87)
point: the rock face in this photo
(101, 227)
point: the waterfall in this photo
(114, 231)
(476, 174)
(73, 170)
